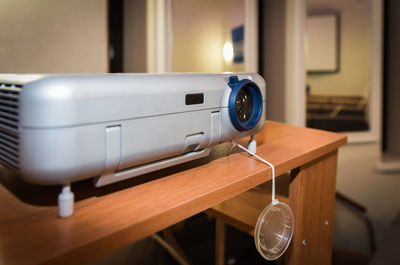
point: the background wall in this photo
(49, 36)
(232, 15)
(135, 44)
(197, 36)
(200, 29)
(353, 77)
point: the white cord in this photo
(274, 201)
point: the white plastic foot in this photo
(65, 202)
(252, 145)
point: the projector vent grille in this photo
(9, 138)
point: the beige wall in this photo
(200, 28)
(48, 36)
(197, 36)
(353, 77)
(135, 40)
(233, 16)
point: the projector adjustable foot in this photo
(252, 145)
(66, 202)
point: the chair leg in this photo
(170, 239)
(220, 243)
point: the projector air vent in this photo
(9, 139)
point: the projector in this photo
(58, 129)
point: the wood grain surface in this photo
(312, 200)
(114, 216)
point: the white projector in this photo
(58, 129)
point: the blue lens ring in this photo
(257, 104)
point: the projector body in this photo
(58, 129)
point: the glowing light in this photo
(227, 51)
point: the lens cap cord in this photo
(274, 228)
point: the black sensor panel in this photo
(193, 99)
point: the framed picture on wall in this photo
(322, 44)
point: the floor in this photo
(359, 179)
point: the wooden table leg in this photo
(312, 199)
(220, 243)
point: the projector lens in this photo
(245, 103)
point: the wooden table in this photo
(114, 216)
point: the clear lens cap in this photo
(274, 230)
